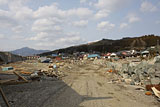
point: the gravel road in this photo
(83, 86)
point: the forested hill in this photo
(108, 45)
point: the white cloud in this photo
(106, 7)
(90, 3)
(20, 37)
(133, 18)
(62, 42)
(24, 13)
(2, 36)
(80, 12)
(17, 29)
(19, 10)
(105, 25)
(83, 1)
(57, 28)
(46, 25)
(71, 40)
(54, 11)
(2, 2)
(51, 19)
(102, 14)
(81, 23)
(6, 19)
(159, 3)
(46, 21)
(158, 22)
(16, 14)
(123, 25)
(42, 36)
(66, 41)
(148, 7)
(111, 4)
(50, 11)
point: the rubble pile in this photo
(51, 71)
(143, 73)
(46, 75)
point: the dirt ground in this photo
(85, 85)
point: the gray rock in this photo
(141, 77)
(132, 83)
(124, 68)
(157, 74)
(157, 59)
(110, 65)
(157, 66)
(135, 78)
(143, 73)
(128, 81)
(131, 70)
(151, 70)
(125, 76)
(155, 80)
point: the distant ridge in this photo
(26, 51)
(108, 45)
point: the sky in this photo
(54, 24)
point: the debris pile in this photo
(144, 73)
(141, 73)
(15, 76)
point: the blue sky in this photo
(53, 24)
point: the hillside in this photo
(28, 51)
(107, 45)
(7, 57)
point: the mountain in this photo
(108, 45)
(28, 51)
